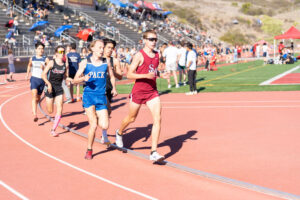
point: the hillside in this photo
(217, 17)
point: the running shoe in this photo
(177, 86)
(189, 93)
(169, 86)
(105, 140)
(119, 139)
(89, 155)
(156, 157)
(35, 119)
(54, 134)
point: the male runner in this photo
(94, 100)
(144, 70)
(35, 66)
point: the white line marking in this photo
(279, 76)
(13, 191)
(64, 162)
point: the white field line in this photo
(64, 162)
(279, 76)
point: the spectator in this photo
(265, 50)
(191, 66)
(171, 56)
(182, 52)
(280, 48)
(11, 65)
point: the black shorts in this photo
(56, 91)
(72, 76)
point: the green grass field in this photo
(233, 78)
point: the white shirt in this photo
(171, 54)
(265, 48)
(182, 53)
(192, 57)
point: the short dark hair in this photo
(189, 45)
(109, 41)
(39, 44)
(59, 46)
(73, 46)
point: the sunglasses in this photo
(61, 52)
(152, 39)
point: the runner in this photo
(35, 66)
(53, 75)
(74, 59)
(144, 70)
(109, 46)
(94, 100)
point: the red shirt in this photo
(280, 47)
(149, 65)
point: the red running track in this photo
(250, 137)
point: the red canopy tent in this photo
(292, 33)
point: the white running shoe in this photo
(189, 93)
(177, 86)
(195, 92)
(119, 139)
(169, 86)
(156, 157)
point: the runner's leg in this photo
(91, 114)
(130, 118)
(155, 108)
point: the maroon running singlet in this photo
(145, 89)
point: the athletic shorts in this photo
(139, 98)
(38, 84)
(171, 67)
(11, 68)
(92, 99)
(56, 91)
(72, 76)
(181, 67)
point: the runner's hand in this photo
(26, 77)
(49, 87)
(165, 75)
(86, 77)
(114, 92)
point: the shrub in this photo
(234, 37)
(271, 26)
(235, 4)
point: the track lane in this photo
(132, 171)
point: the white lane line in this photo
(202, 102)
(18, 194)
(64, 162)
(267, 82)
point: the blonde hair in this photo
(93, 43)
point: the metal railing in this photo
(115, 33)
(26, 40)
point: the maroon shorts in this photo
(139, 98)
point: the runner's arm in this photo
(78, 78)
(112, 80)
(28, 68)
(137, 60)
(117, 71)
(45, 72)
